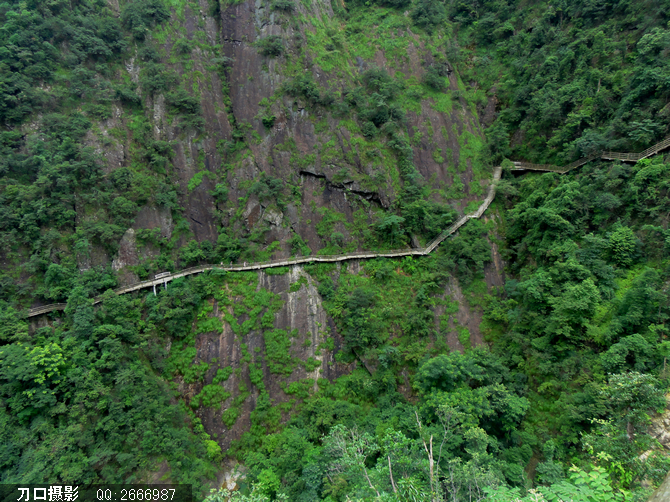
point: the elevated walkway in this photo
(624, 157)
(164, 278)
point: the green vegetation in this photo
(98, 366)
(563, 364)
(283, 5)
(571, 78)
(270, 46)
(575, 369)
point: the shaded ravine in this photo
(163, 279)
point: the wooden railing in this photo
(286, 262)
(46, 308)
(634, 157)
(624, 157)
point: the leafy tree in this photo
(468, 252)
(497, 138)
(428, 14)
(627, 459)
(362, 329)
(593, 486)
(139, 16)
(591, 142)
(12, 327)
(630, 353)
(573, 308)
(349, 452)
(640, 307)
(427, 218)
(645, 132)
(390, 228)
(633, 395)
(623, 245)
(472, 385)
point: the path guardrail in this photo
(46, 308)
(624, 157)
(164, 277)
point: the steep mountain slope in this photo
(143, 136)
(200, 146)
(157, 135)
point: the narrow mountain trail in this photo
(163, 279)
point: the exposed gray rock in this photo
(662, 493)
(292, 213)
(127, 251)
(155, 217)
(273, 216)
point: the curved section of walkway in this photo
(519, 166)
(624, 157)
(285, 262)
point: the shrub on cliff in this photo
(138, 17)
(271, 46)
(434, 79)
(269, 121)
(283, 5)
(305, 87)
(428, 14)
(398, 4)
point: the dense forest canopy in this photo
(390, 391)
(572, 77)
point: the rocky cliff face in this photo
(327, 167)
(248, 152)
(333, 178)
(659, 429)
(660, 426)
(271, 365)
(662, 493)
(286, 368)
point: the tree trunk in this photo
(395, 490)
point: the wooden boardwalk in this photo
(287, 262)
(624, 157)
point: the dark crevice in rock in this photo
(310, 173)
(347, 186)
(370, 196)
